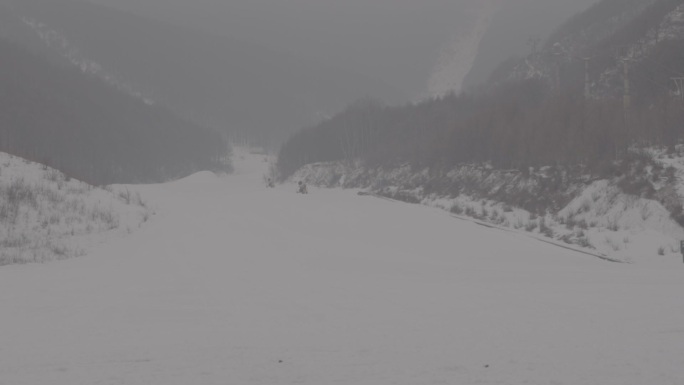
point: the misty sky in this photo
(397, 41)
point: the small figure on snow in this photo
(302, 188)
(270, 183)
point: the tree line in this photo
(516, 124)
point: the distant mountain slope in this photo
(537, 110)
(514, 27)
(457, 59)
(643, 35)
(537, 137)
(599, 21)
(395, 41)
(216, 81)
(91, 131)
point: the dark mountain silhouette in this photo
(75, 122)
(536, 111)
(222, 83)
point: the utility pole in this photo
(622, 53)
(587, 86)
(627, 98)
(557, 74)
(679, 82)
(556, 61)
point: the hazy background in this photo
(396, 41)
(247, 71)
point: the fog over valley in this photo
(315, 192)
(401, 42)
(262, 70)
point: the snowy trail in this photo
(233, 283)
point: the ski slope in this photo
(234, 283)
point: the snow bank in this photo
(573, 209)
(45, 215)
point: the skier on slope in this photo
(302, 188)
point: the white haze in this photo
(406, 43)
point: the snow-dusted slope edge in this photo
(57, 41)
(593, 214)
(235, 283)
(45, 215)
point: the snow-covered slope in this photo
(45, 215)
(235, 283)
(456, 60)
(578, 210)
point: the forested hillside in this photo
(75, 122)
(517, 27)
(538, 111)
(579, 141)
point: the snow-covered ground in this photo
(235, 283)
(45, 215)
(599, 216)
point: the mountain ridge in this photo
(538, 137)
(214, 81)
(59, 116)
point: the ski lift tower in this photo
(622, 53)
(679, 82)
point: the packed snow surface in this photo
(235, 283)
